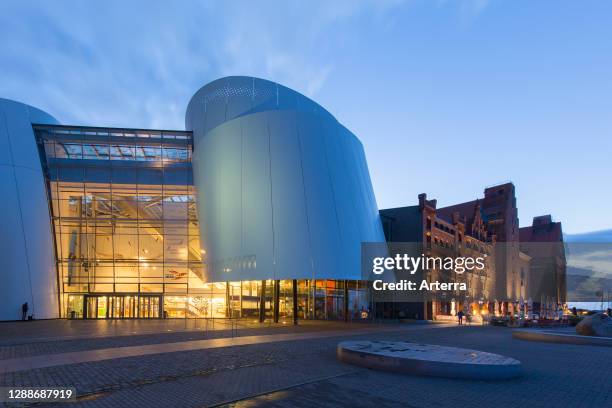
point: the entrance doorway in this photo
(149, 307)
(121, 307)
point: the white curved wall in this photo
(283, 188)
(27, 262)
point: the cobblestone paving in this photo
(13, 349)
(307, 374)
(555, 376)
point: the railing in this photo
(208, 324)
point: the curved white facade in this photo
(283, 188)
(27, 263)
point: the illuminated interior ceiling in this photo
(102, 206)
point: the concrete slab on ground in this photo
(429, 360)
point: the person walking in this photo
(24, 311)
(460, 317)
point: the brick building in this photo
(517, 273)
(543, 241)
(446, 232)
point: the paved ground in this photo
(76, 357)
(44, 330)
(305, 373)
(566, 335)
(62, 336)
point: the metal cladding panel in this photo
(372, 215)
(27, 264)
(21, 137)
(265, 97)
(288, 98)
(15, 287)
(229, 98)
(214, 113)
(348, 218)
(256, 214)
(37, 232)
(241, 92)
(290, 223)
(347, 146)
(222, 169)
(362, 188)
(325, 238)
(283, 189)
(5, 147)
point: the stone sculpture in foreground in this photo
(598, 324)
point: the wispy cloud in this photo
(138, 63)
(399, 73)
(467, 10)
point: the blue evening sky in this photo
(447, 96)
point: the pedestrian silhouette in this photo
(24, 311)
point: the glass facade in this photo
(126, 238)
(123, 211)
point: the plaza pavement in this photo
(304, 372)
(75, 357)
(29, 339)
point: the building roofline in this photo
(42, 125)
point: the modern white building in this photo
(258, 209)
